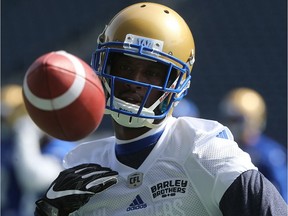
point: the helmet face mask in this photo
(164, 83)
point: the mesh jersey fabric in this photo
(186, 173)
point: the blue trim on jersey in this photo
(138, 145)
(223, 135)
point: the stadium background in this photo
(238, 43)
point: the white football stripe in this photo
(65, 99)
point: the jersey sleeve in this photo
(252, 194)
(213, 161)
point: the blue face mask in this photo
(173, 88)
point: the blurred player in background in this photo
(10, 188)
(243, 110)
(156, 164)
(30, 160)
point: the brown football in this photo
(63, 96)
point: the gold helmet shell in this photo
(12, 103)
(247, 103)
(156, 21)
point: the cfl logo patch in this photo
(135, 180)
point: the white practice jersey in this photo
(187, 172)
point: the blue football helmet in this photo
(151, 32)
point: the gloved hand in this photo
(74, 187)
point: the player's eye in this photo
(125, 67)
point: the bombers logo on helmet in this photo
(144, 42)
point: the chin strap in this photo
(131, 121)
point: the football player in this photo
(156, 164)
(244, 111)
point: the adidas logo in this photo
(137, 204)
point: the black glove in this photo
(74, 187)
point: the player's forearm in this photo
(251, 194)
